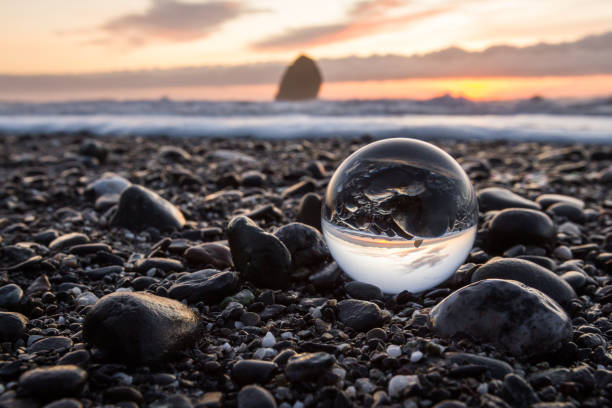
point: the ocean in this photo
(536, 119)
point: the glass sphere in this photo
(400, 214)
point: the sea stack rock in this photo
(301, 81)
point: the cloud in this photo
(168, 21)
(588, 56)
(365, 18)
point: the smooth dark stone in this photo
(506, 313)
(174, 153)
(254, 396)
(139, 326)
(53, 382)
(50, 344)
(93, 148)
(252, 371)
(253, 178)
(265, 212)
(68, 240)
(10, 295)
(517, 392)
(209, 286)
(308, 366)
(143, 282)
(575, 279)
(76, 357)
(363, 291)
(164, 264)
(100, 273)
(528, 273)
(301, 80)
(282, 357)
(38, 285)
(65, 403)
(309, 210)
(140, 208)
(122, 393)
(305, 243)
(497, 198)
(12, 326)
(260, 257)
(207, 255)
(569, 211)
(92, 248)
(359, 314)
(326, 276)
(546, 200)
(497, 368)
(45, 237)
(520, 226)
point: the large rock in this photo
(305, 243)
(139, 327)
(259, 256)
(497, 198)
(509, 314)
(530, 274)
(514, 226)
(301, 81)
(361, 315)
(140, 208)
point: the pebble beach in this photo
(191, 272)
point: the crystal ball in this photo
(400, 214)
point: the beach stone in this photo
(506, 313)
(363, 291)
(520, 226)
(56, 344)
(569, 211)
(140, 208)
(209, 286)
(94, 148)
(305, 243)
(517, 392)
(122, 393)
(543, 261)
(360, 315)
(46, 236)
(174, 153)
(399, 383)
(139, 326)
(100, 273)
(308, 366)
(77, 357)
(10, 296)
(300, 81)
(110, 184)
(528, 273)
(300, 188)
(497, 198)
(498, 369)
(164, 264)
(12, 326)
(260, 257)
(53, 382)
(309, 210)
(68, 240)
(546, 200)
(575, 279)
(252, 371)
(38, 285)
(65, 403)
(254, 396)
(252, 178)
(209, 255)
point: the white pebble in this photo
(483, 388)
(416, 356)
(350, 392)
(298, 404)
(269, 340)
(238, 324)
(286, 335)
(399, 383)
(340, 372)
(263, 353)
(209, 326)
(226, 347)
(394, 350)
(86, 299)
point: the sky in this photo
(238, 49)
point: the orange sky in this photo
(544, 50)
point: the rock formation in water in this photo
(301, 81)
